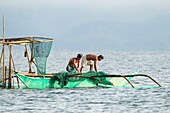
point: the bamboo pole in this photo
(13, 81)
(18, 82)
(10, 67)
(5, 77)
(3, 68)
(13, 63)
(3, 55)
(14, 70)
(27, 55)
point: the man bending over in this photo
(71, 67)
(87, 61)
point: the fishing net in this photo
(40, 51)
(84, 80)
(63, 80)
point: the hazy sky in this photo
(91, 24)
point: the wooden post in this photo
(10, 67)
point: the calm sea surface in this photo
(97, 100)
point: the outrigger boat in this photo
(84, 80)
(40, 48)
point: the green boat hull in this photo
(72, 82)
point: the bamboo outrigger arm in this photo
(116, 76)
(124, 76)
(94, 77)
(144, 76)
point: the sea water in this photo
(97, 100)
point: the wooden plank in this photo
(34, 74)
(14, 43)
(26, 40)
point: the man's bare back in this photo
(73, 61)
(91, 57)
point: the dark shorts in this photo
(70, 69)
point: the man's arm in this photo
(78, 63)
(75, 66)
(95, 66)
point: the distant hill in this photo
(143, 35)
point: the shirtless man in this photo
(86, 60)
(71, 67)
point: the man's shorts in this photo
(85, 62)
(70, 68)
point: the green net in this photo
(84, 80)
(40, 51)
(63, 80)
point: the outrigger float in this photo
(40, 48)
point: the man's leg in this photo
(68, 68)
(91, 67)
(81, 69)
